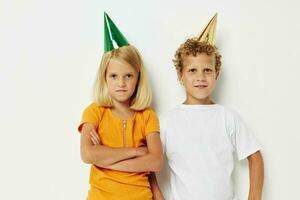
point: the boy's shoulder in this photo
(178, 111)
(170, 114)
(181, 108)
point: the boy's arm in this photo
(151, 162)
(101, 155)
(155, 187)
(256, 172)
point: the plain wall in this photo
(51, 50)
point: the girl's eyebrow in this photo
(115, 72)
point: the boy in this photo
(202, 138)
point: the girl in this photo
(119, 132)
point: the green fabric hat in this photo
(111, 32)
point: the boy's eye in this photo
(192, 70)
(208, 70)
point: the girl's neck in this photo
(121, 106)
(122, 110)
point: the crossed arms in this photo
(127, 159)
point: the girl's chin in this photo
(121, 100)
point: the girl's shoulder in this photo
(147, 113)
(95, 108)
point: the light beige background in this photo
(50, 51)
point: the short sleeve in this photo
(91, 114)
(243, 139)
(162, 121)
(151, 122)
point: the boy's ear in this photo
(218, 74)
(179, 77)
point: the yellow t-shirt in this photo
(115, 132)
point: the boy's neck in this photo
(206, 101)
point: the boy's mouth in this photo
(200, 86)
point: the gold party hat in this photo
(208, 34)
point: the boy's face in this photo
(199, 78)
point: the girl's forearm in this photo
(157, 194)
(256, 172)
(102, 156)
(147, 163)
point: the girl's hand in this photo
(140, 151)
(95, 137)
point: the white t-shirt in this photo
(201, 143)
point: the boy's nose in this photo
(200, 76)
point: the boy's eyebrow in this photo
(191, 66)
(194, 66)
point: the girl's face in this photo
(121, 80)
(199, 78)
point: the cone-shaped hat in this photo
(112, 33)
(208, 34)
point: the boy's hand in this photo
(256, 172)
(95, 137)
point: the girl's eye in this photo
(113, 76)
(129, 76)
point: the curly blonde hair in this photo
(194, 47)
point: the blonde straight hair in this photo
(142, 96)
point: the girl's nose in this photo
(121, 82)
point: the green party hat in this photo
(111, 35)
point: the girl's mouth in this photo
(121, 90)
